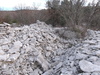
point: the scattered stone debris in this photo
(37, 50)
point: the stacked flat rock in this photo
(81, 59)
(36, 50)
(28, 50)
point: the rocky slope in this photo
(37, 50)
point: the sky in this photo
(10, 4)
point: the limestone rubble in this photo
(37, 50)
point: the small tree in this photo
(94, 15)
(55, 17)
(70, 11)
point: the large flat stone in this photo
(87, 66)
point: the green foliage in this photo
(14, 21)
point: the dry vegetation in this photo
(66, 13)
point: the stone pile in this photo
(81, 59)
(36, 50)
(27, 50)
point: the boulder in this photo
(87, 66)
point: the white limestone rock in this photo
(16, 47)
(35, 72)
(2, 25)
(87, 51)
(60, 52)
(17, 28)
(49, 48)
(6, 24)
(59, 65)
(63, 74)
(95, 73)
(84, 74)
(25, 45)
(91, 42)
(97, 62)
(90, 33)
(38, 22)
(43, 62)
(13, 50)
(49, 72)
(64, 70)
(5, 47)
(67, 73)
(98, 53)
(25, 37)
(87, 66)
(4, 41)
(17, 44)
(93, 58)
(81, 56)
(14, 57)
(1, 51)
(96, 46)
(48, 54)
(4, 57)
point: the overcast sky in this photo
(10, 4)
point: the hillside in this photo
(37, 50)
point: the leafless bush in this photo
(94, 15)
(23, 14)
(1, 17)
(71, 12)
(41, 15)
(27, 15)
